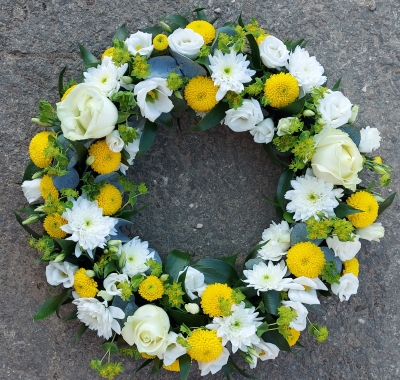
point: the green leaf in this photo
(177, 19)
(121, 34)
(30, 170)
(176, 261)
(80, 149)
(89, 60)
(190, 320)
(129, 214)
(184, 365)
(226, 369)
(180, 105)
(264, 327)
(212, 118)
(253, 251)
(288, 217)
(272, 300)
(157, 364)
(273, 157)
(231, 260)
(273, 336)
(61, 82)
(344, 209)
(148, 137)
(145, 364)
(240, 20)
(336, 85)
(26, 228)
(111, 266)
(216, 270)
(80, 332)
(71, 316)
(386, 203)
(166, 120)
(283, 187)
(201, 15)
(292, 109)
(122, 116)
(68, 246)
(272, 202)
(28, 209)
(153, 30)
(241, 371)
(255, 52)
(110, 347)
(50, 306)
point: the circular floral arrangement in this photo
(174, 312)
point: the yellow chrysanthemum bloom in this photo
(147, 356)
(174, 367)
(293, 337)
(351, 266)
(160, 42)
(67, 92)
(151, 288)
(109, 199)
(362, 200)
(205, 345)
(47, 188)
(105, 160)
(200, 94)
(214, 297)
(36, 149)
(52, 224)
(204, 28)
(305, 259)
(108, 52)
(84, 285)
(281, 89)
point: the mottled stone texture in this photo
(214, 178)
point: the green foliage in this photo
(174, 81)
(140, 67)
(47, 114)
(174, 293)
(330, 273)
(121, 53)
(320, 333)
(90, 187)
(126, 101)
(155, 267)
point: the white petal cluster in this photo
(278, 238)
(370, 139)
(300, 322)
(132, 148)
(174, 349)
(114, 141)
(140, 43)
(284, 126)
(215, 365)
(264, 131)
(335, 109)
(348, 286)
(194, 282)
(135, 253)
(245, 117)
(61, 273)
(345, 250)
(273, 52)
(374, 232)
(307, 296)
(31, 189)
(186, 42)
(111, 281)
(265, 351)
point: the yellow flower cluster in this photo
(108, 53)
(351, 266)
(160, 42)
(215, 296)
(109, 199)
(47, 189)
(362, 200)
(151, 288)
(281, 90)
(200, 94)
(305, 259)
(84, 285)
(67, 92)
(174, 367)
(204, 28)
(36, 149)
(105, 160)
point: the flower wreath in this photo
(172, 313)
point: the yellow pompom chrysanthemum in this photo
(293, 336)
(147, 356)
(362, 200)
(105, 160)
(200, 94)
(67, 92)
(160, 42)
(109, 199)
(281, 89)
(204, 28)
(52, 224)
(214, 298)
(305, 259)
(174, 367)
(47, 189)
(36, 149)
(84, 285)
(351, 266)
(205, 346)
(151, 288)
(108, 52)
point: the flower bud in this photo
(89, 160)
(90, 273)
(377, 159)
(165, 27)
(248, 359)
(192, 308)
(103, 294)
(37, 121)
(378, 198)
(354, 113)
(308, 113)
(59, 258)
(122, 259)
(126, 80)
(113, 249)
(111, 243)
(37, 175)
(321, 121)
(164, 277)
(253, 352)
(31, 219)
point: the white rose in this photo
(300, 322)
(114, 141)
(148, 329)
(336, 159)
(263, 132)
(111, 281)
(140, 43)
(373, 232)
(186, 42)
(348, 285)
(31, 189)
(61, 273)
(335, 109)
(192, 308)
(86, 114)
(246, 117)
(345, 250)
(273, 52)
(194, 282)
(284, 126)
(370, 139)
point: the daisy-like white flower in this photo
(229, 72)
(265, 277)
(239, 328)
(97, 316)
(312, 195)
(265, 351)
(88, 226)
(106, 76)
(278, 238)
(299, 323)
(135, 253)
(307, 296)
(140, 43)
(215, 365)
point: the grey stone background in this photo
(214, 178)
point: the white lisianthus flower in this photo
(345, 250)
(239, 328)
(307, 296)
(140, 43)
(132, 148)
(86, 114)
(135, 253)
(105, 76)
(174, 349)
(265, 351)
(307, 70)
(278, 238)
(152, 97)
(370, 139)
(114, 141)
(186, 42)
(111, 281)
(273, 52)
(31, 189)
(215, 365)
(348, 285)
(335, 109)
(97, 316)
(284, 126)
(61, 273)
(300, 322)
(194, 282)
(192, 308)
(373, 232)
(264, 131)
(229, 72)
(265, 277)
(88, 226)
(310, 196)
(244, 118)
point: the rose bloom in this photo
(273, 52)
(186, 42)
(246, 117)
(335, 109)
(337, 159)
(263, 133)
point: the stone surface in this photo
(214, 178)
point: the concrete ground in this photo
(214, 178)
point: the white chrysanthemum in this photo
(194, 282)
(105, 76)
(88, 226)
(61, 273)
(239, 328)
(307, 70)
(265, 351)
(312, 195)
(132, 149)
(307, 296)
(174, 349)
(31, 189)
(229, 72)
(215, 365)
(278, 238)
(269, 277)
(97, 316)
(345, 250)
(298, 323)
(111, 281)
(140, 43)
(135, 253)
(348, 285)
(370, 139)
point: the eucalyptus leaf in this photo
(299, 234)
(81, 150)
(330, 256)
(249, 264)
(188, 67)
(353, 132)
(161, 66)
(254, 250)
(67, 181)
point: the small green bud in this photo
(89, 160)
(37, 121)
(253, 352)
(37, 175)
(90, 273)
(321, 121)
(112, 243)
(354, 113)
(127, 80)
(31, 219)
(113, 249)
(308, 113)
(248, 359)
(59, 258)
(164, 277)
(103, 294)
(165, 27)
